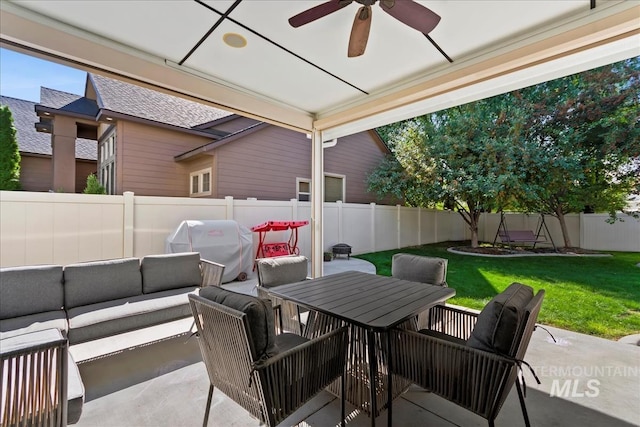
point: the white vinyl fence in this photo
(43, 228)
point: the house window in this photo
(200, 183)
(334, 188)
(304, 190)
(107, 163)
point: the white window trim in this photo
(200, 174)
(335, 175)
(298, 182)
(107, 165)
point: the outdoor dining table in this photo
(371, 305)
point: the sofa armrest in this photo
(211, 273)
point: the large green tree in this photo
(466, 158)
(554, 148)
(584, 132)
(9, 153)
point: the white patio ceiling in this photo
(301, 77)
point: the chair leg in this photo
(206, 412)
(343, 390)
(522, 404)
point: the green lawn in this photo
(591, 295)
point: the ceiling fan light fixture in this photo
(234, 40)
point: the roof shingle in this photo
(68, 102)
(137, 101)
(32, 141)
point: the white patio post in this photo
(317, 199)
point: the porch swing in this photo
(511, 237)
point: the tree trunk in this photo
(563, 227)
(471, 218)
(474, 238)
(473, 226)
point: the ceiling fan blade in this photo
(360, 32)
(317, 12)
(412, 14)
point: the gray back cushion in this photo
(259, 315)
(170, 271)
(500, 320)
(422, 269)
(281, 270)
(92, 282)
(29, 290)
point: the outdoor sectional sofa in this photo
(92, 300)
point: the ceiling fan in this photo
(406, 11)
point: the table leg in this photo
(389, 381)
(373, 372)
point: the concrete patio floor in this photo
(166, 383)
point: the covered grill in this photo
(222, 241)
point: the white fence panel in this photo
(451, 226)
(428, 226)
(331, 225)
(357, 226)
(156, 217)
(599, 235)
(41, 228)
(386, 228)
(409, 226)
(51, 228)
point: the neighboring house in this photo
(35, 149)
(156, 144)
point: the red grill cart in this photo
(279, 248)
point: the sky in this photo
(21, 76)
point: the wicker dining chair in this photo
(281, 271)
(472, 359)
(270, 376)
(417, 268)
(34, 374)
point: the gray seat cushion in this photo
(19, 285)
(500, 320)
(281, 270)
(417, 268)
(75, 393)
(108, 318)
(93, 282)
(33, 323)
(170, 271)
(259, 315)
(288, 341)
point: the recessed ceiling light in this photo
(108, 119)
(234, 40)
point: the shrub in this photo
(9, 152)
(93, 186)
